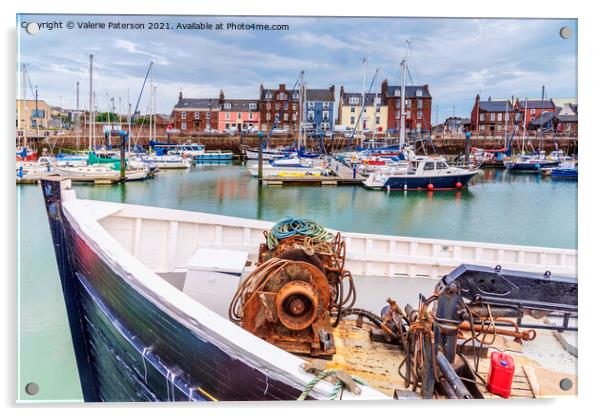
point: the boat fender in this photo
(458, 185)
(430, 187)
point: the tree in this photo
(102, 117)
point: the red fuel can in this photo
(501, 372)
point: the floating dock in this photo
(342, 175)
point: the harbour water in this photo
(499, 207)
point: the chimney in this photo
(221, 96)
(281, 86)
(477, 98)
(180, 96)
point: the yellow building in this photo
(374, 116)
(27, 118)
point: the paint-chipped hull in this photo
(128, 348)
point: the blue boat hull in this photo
(530, 167)
(128, 348)
(564, 173)
(421, 183)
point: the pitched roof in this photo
(568, 118)
(491, 106)
(369, 98)
(411, 91)
(197, 103)
(543, 119)
(319, 94)
(537, 104)
(240, 104)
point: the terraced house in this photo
(374, 117)
(275, 102)
(491, 117)
(194, 115)
(532, 109)
(319, 109)
(241, 114)
(418, 104)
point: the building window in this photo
(418, 103)
(208, 115)
(295, 96)
(419, 114)
(239, 115)
(418, 93)
(481, 128)
(353, 109)
(268, 106)
(285, 116)
(398, 104)
(197, 115)
(268, 95)
(378, 109)
(352, 120)
(325, 114)
(282, 96)
(295, 117)
(517, 118)
(267, 116)
(499, 117)
(227, 106)
(397, 92)
(492, 117)
(532, 111)
(377, 120)
(377, 101)
(325, 104)
(183, 125)
(184, 115)
(310, 105)
(252, 106)
(310, 116)
(354, 100)
(276, 106)
(250, 116)
(228, 116)
(397, 115)
(286, 106)
(482, 117)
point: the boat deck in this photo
(377, 363)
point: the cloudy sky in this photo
(457, 58)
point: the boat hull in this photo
(439, 183)
(208, 157)
(131, 345)
(530, 167)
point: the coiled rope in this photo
(291, 226)
(338, 385)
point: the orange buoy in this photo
(458, 185)
(430, 187)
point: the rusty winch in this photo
(295, 296)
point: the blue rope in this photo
(291, 226)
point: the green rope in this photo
(338, 386)
(291, 226)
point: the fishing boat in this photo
(193, 151)
(99, 172)
(168, 305)
(422, 173)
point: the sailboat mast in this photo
(22, 107)
(301, 110)
(77, 117)
(365, 67)
(402, 107)
(90, 111)
(543, 90)
(525, 123)
(155, 113)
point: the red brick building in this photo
(534, 109)
(418, 106)
(194, 115)
(491, 117)
(274, 101)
